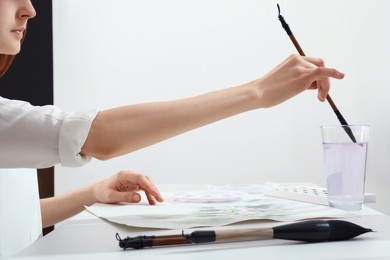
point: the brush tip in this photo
(343, 230)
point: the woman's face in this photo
(14, 15)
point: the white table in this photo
(87, 237)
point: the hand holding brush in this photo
(340, 117)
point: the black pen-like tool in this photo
(340, 117)
(306, 231)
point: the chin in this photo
(14, 53)
(10, 50)
(15, 50)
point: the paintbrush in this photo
(340, 117)
(306, 231)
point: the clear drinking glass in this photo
(345, 164)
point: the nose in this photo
(27, 10)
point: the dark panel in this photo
(46, 188)
(30, 77)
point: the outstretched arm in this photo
(125, 129)
(122, 187)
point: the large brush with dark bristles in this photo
(306, 231)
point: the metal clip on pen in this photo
(340, 117)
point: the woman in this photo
(37, 137)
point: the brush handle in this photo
(244, 234)
(343, 122)
(140, 242)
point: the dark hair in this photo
(6, 60)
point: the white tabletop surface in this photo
(88, 237)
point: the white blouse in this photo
(33, 137)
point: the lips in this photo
(19, 31)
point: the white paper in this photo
(169, 215)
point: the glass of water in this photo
(345, 164)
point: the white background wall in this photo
(116, 52)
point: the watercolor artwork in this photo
(179, 215)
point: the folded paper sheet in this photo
(171, 215)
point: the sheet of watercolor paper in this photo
(174, 215)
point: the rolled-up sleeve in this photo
(42, 136)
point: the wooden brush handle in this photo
(244, 234)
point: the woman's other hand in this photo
(125, 187)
